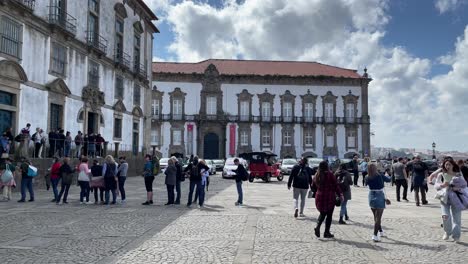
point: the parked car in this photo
(212, 166)
(263, 165)
(314, 162)
(229, 166)
(219, 164)
(163, 163)
(287, 165)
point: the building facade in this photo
(77, 65)
(222, 108)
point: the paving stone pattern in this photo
(262, 231)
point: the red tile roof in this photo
(256, 67)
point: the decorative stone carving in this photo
(13, 70)
(93, 98)
(58, 86)
(137, 112)
(120, 10)
(138, 27)
(119, 106)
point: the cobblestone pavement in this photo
(262, 231)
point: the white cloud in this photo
(444, 6)
(408, 108)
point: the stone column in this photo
(365, 114)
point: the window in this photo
(350, 112)
(93, 74)
(266, 138)
(244, 138)
(266, 111)
(136, 50)
(6, 98)
(309, 137)
(329, 115)
(58, 61)
(155, 107)
(177, 109)
(176, 137)
(119, 36)
(308, 112)
(351, 139)
(119, 87)
(10, 37)
(330, 137)
(155, 137)
(117, 128)
(93, 22)
(136, 95)
(244, 110)
(211, 105)
(287, 138)
(93, 6)
(287, 111)
(56, 113)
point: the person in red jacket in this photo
(325, 198)
(55, 177)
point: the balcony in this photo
(61, 19)
(140, 70)
(96, 41)
(26, 4)
(287, 119)
(121, 58)
(329, 119)
(244, 118)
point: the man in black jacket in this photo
(241, 172)
(179, 178)
(195, 179)
(300, 179)
(354, 166)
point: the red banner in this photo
(232, 140)
(190, 127)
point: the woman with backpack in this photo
(301, 180)
(344, 179)
(148, 175)
(109, 171)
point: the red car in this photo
(263, 165)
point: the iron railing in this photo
(96, 41)
(29, 4)
(140, 70)
(60, 18)
(122, 58)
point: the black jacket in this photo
(240, 172)
(196, 176)
(303, 180)
(179, 174)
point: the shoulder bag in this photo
(7, 175)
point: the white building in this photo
(78, 65)
(221, 108)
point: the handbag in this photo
(387, 201)
(7, 175)
(311, 194)
(337, 201)
(442, 195)
(32, 171)
(82, 176)
(97, 182)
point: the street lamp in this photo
(433, 150)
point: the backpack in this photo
(34, 136)
(245, 175)
(156, 167)
(110, 170)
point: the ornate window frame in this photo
(314, 138)
(309, 99)
(177, 94)
(266, 97)
(287, 97)
(244, 96)
(247, 128)
(156, 95)
(266, 128)
(350, 99)
(211, 87)
(58, 91)
(356, 137)
(329, 98)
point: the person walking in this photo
(83, 180)
(300, 179)
(401, 178)
(78, 144)
(109, 171)
(122, 177)
(451, 183)
(354, 165)
(148, 175)
(66, 174)
(96, 171)
(344, 179)
(377, 199)
(6, 183)
(363, 168)
(180, 177)
(327, 193)
(419, 175)
(195, 178)
(170, 181)
(26, 181)
(55, 178)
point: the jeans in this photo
(192, 187)
(177, 187)
(54, 183)
(328, 215)
(67, 150)
(364, 174)
(452, 220)
(356, 177)
(170, 194)
(303, 194)
(84, 193)
(101, 194)
(121, 187)
(63, 191)
(26, 182)
(78, 151)
(399, 183)
(239, 192)
(109, 183)
(201, 195)
(344, 209)
(417, 190)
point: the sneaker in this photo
(151, 201)
(189, 205)
(146, 203)
(346, 217)
(31, 200)
(381, 234)
(446, 236)
(341, 222)
(96, 202)
(114, 202)
(302, 215)
(376, 238)
(123, 202)
(317, 232)
(328, 235)
(295, 213)
(425, 202)
(52, 201)
(65, 202)
(405, 199)
(21, 201)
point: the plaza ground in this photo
(263, 231)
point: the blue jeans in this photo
(67, 150)
(177, 187)
(63, 191)
(84, 193)
(201, 194)
(344, 209)
(26, 182)
(54, 187)
(452, 223)
(192, 187)
(121, 187)
(239, 192)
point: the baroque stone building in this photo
(78, 65)
(221, 108)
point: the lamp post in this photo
(433, 150)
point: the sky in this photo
(416, 52)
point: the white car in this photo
(163, 163)
(287, 165)
(212, 166)
(229, 166)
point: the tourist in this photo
(67, 146)
(301, 180)
(37, 138)
(52, 143)
(377, 199)
(109, 171)
(363, 168)
(122, 177)
(401, 179)
(148, 174)
(195, 178)
(26, 181)
(419, 175)
(344, 179)
(24, 138)
(4, 146)
(97, 182)
(84, 150)
(83, 180)
(11, 139)
(327, 194)
(241, 175)
(449, 182)
(180, 178)
(205, 174)
(78, 144)
(92, 145)
(55, 178)
(354, 165)
(170, 181)
(7, 181)
(61, 143)
(463, 169)
(66, 174)
(99, 145)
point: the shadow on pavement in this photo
(361, 244)
(418, 246)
